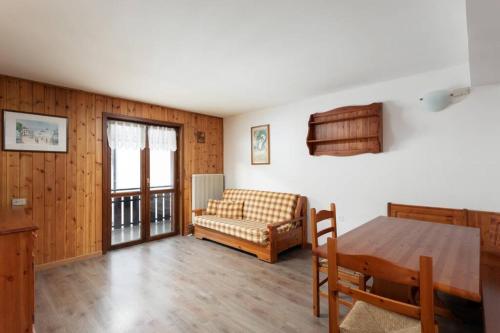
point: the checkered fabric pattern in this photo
(212, 206)
(252, 231)
(263, 206)
(230, 209)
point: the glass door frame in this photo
(144, 191)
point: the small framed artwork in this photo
(24, 131)
(260, 145)
(200, 136)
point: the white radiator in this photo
(206, 186)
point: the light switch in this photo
(19, 201)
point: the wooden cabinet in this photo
(17, 283)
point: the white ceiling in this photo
(224, 57)
(484, 42)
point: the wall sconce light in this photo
(438, 100)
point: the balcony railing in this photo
(126, 207)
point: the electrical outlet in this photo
(19, 201)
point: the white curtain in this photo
(162, 138)
(126, 135)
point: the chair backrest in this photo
(380, 268)
(322, 215)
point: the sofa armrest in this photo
(279, 224)
(198, 211)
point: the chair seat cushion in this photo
(367, 318)
(253, 231)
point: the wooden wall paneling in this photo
(204, 151)
(196, 124)
(146, 111)
(130, 108)
(156, 113)
(65, 190)
(212, 137)
(164, 112)
(219, 151)
(50, 184)
(188, 168)
(26, 158)
(3, 159)
(90, 176)
(12, 103)
(115, 102)
(100, 107)
(124, 107)
(71, 174)
(39, 180)
(81, 142)
(200, 164)
(141, 110)
(61, 107)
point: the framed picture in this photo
(260, 145)
(24, 131)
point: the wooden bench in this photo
(489, 224)
(490, 282)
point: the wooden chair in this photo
(320, 265)
(371, 312)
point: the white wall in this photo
(449, 158)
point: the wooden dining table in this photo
(455, 250)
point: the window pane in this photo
(161, 165)
(125, 170)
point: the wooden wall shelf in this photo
(349, 130)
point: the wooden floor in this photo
(179, 284)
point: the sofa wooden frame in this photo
(278, 242)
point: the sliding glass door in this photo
(142, 178)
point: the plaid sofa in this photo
(260, 208)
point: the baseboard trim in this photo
(53, 264)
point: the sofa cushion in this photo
(212, 206)
(253, 231)
(230, 209)
(263, 206)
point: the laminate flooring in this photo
(181, 284)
